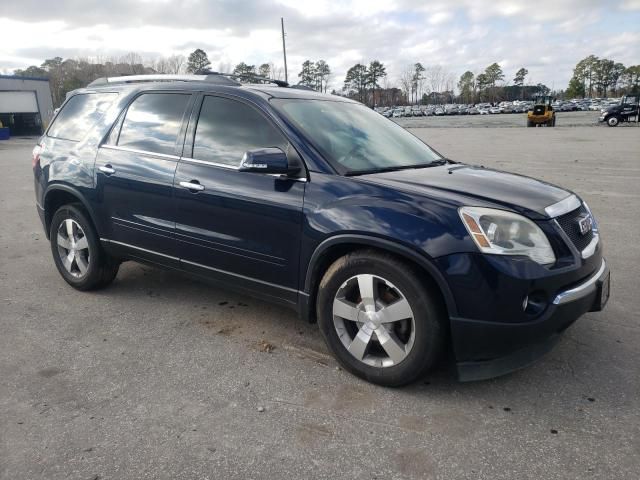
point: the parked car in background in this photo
(451, 110)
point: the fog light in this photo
(535, 303)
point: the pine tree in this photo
(519, 78)
(198, 62)
(376, 71)
(244, 72)
(308, 74)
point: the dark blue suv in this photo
(319, 203)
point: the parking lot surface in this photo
(501, 120)
(161, 376)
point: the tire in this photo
(73, 236)
(613, 121)
(397, 337)
(530, 123)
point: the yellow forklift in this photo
(542, 113)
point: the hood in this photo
(475, 186)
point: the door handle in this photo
(108, 169)
(192, 186)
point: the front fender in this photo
(341, 210)
(382, 244)
(336, 205)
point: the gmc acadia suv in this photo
(319, 203)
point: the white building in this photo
(26, 106)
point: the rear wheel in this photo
(530, 123)
(613, 121)
(77, 252)
(379, 318)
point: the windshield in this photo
(354, 138)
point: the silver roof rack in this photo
(212, 78)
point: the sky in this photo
(548, 37)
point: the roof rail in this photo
(211, 77)
(300, 86)
(250, 77)
(208, 76)
(260, 78)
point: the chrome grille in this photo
(569, 224)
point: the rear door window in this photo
(226, 129)
(153, 121)
(80, 114)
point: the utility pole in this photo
(284, 51)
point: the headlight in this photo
(505, 233)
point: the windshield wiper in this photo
(434, 163)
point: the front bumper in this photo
(486, 348)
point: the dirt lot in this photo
(503, 120)
(160, 376)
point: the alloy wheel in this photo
(374, 320)
(73, 248)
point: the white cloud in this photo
(328, 8)
(439, 17)
(547, 37)
(630, 5)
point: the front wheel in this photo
(77, 252)
(613, 121)
(380, 318)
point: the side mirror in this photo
(266, 160)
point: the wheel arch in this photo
(337, 246)
(57, 195)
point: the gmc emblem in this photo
(586, 224)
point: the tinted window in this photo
(226, 129)
(153, 121)
(80, 114)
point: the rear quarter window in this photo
(79, 115)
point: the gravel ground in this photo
(504, 120)
(160, 376)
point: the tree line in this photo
(487, 86)
(367, 83)
(602, 76)
(66, 75)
